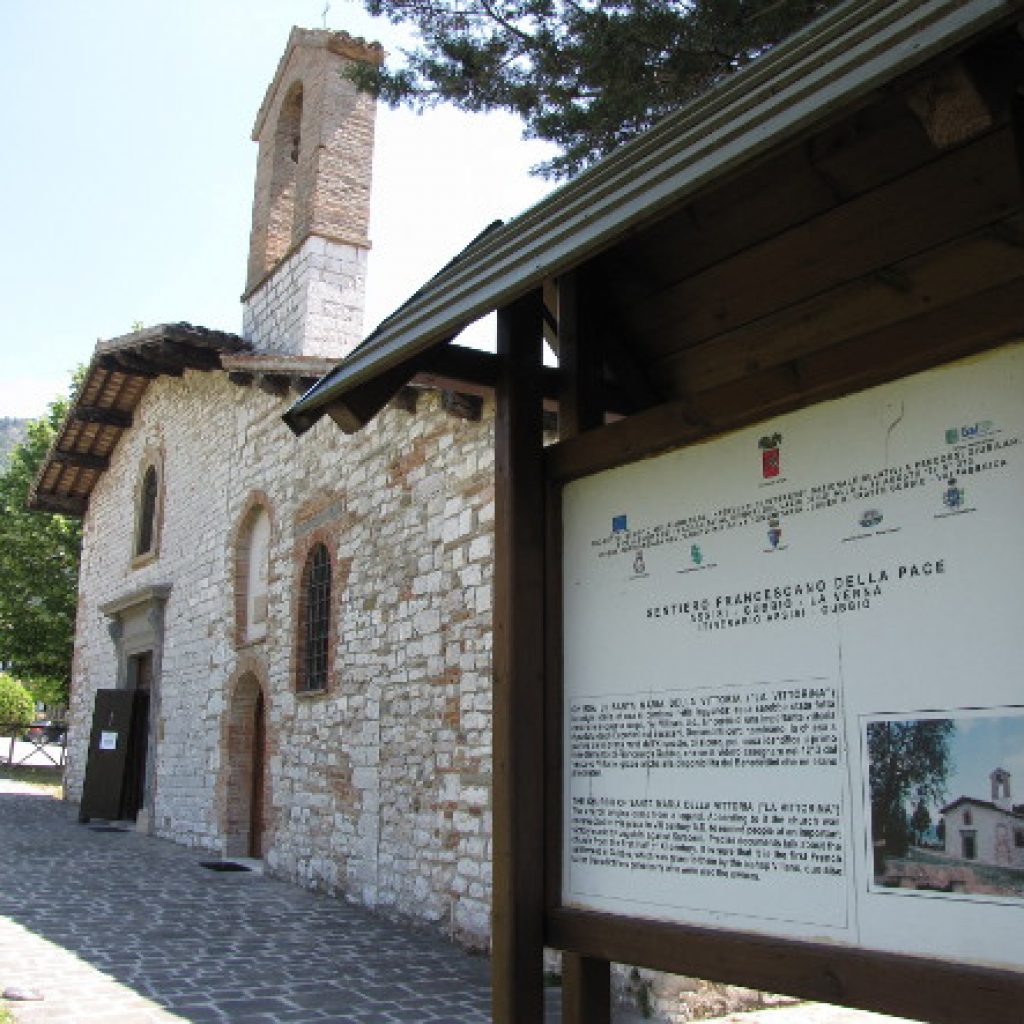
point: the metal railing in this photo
(40, 744)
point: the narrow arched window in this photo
(147, 512)
(316, 620)
(287, 152)
(252, 575)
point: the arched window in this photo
(315, 620)
(252, 573)
(145, 536)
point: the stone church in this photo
(306, 627)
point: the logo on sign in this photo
(696, 555)
(639, 565)
(771, 460)
(954, 435)
(872, 517)
(619, 524)
(953, 496)
(774, 532)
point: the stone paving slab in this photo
(120, 928)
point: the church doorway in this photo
(246, 770)
(140, 679)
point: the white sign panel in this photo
(794, 700)
(108, 741)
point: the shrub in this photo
(16, 704)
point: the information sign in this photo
(794, 702)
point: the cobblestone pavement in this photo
(118, 928)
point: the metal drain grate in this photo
(106, 828)
(223, 865)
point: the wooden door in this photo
(259, 781)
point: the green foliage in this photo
(584, 74)
(12, 432)
(38, 570)
(910, 758)
(920, 821)
(16, 704)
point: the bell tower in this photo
(310, 215)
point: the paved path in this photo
(124, 929)
(119, 928)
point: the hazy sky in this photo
(126, 173)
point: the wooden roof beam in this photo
(275, 384)
(103, 416)
(63, 504)
(81, 460)
(121, 362)
(182, 355)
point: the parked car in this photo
(44, 731)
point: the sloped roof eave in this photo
(113, 384)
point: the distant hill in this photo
(12, 433)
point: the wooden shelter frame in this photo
(940, 126)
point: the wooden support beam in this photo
(64, 504)
(586, 981)
(465, 407)
(518, 742)
(353, 410)
(586, 990)
(580, 404)
(886, 982)
(275, 384)
(170, 356)
(118, 363)
(407, 399)
(81, 460)
(103, 416)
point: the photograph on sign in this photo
(944, 818)
(751, 626)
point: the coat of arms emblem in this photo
(771, 462)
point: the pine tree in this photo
(584, 74)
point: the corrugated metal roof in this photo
(832, 65)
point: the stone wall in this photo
(312, 304)
(378, 788)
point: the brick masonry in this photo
(377, 789)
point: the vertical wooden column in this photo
(518, 723)
(586, 982)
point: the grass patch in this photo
(43, 777)
(6, 1017)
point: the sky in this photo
(127, 167)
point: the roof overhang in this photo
(830, 68)
(103, 408)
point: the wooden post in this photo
(518, 770)
(586, 982)
(586, 990)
